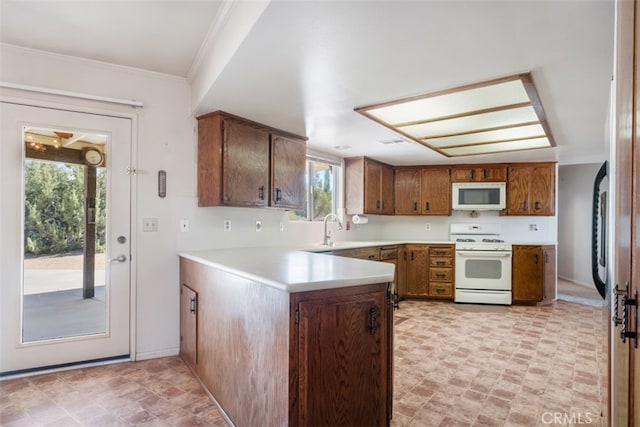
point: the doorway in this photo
(66, 237)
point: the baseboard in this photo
(167, 352)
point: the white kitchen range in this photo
(482, 264)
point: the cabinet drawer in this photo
(372, 254)
(444, 290)
(440, 262)
(441, 274)
(441, 251)
(388, 253)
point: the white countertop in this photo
(294, 271)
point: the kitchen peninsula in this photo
(284, 337)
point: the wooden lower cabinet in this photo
(428, 271)
(343, 355)
(189, 325)
(417, 273)
(533, 274)
(268, 357)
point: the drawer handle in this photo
(371, 256)
(440, 263)
(440, 290)
(441, 275)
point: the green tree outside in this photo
(54, 208)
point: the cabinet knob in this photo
(415, 206)
(537, 206)
(427, 206)
(524, 206)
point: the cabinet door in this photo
(386, 190)
(527, 274)
(543, 188)
(462, 174)
(245, 165)
(343, 360)
(407, 192)
(188, 325)
(372, 190)
(287, 172)
(401, 270)
(417, 276)
(518, 190)
(493, 173)
(549, 276)
(436, 192)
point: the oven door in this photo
(483, 270)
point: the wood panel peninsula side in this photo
(282, 337)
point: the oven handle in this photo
(484, 254)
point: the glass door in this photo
(65, 257)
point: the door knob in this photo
(120, 258)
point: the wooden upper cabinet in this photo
(531, 189)
(246, 164)
(369, 187)
(386, 190)
(288, 158)
(407, 192)
(372, 187)
(425, 191)
(435, 185)
(479, 173)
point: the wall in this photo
(575, 192)
(513, 229)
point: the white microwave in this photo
(478, 196)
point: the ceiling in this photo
(305, 65)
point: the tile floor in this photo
(455, 365)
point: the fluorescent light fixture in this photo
(499, 115)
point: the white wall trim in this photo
(69, 94)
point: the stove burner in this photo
(493, 241)
(465, 240)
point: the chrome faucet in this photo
(325, 239)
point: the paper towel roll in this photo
(356, 219)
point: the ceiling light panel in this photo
(497, 135)
(494, 115)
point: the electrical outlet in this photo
(258, 226)
(184, 226)
(427, 226)
(150, 224)
(227, 225)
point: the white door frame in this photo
(133, 202)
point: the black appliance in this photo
(599, 231)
